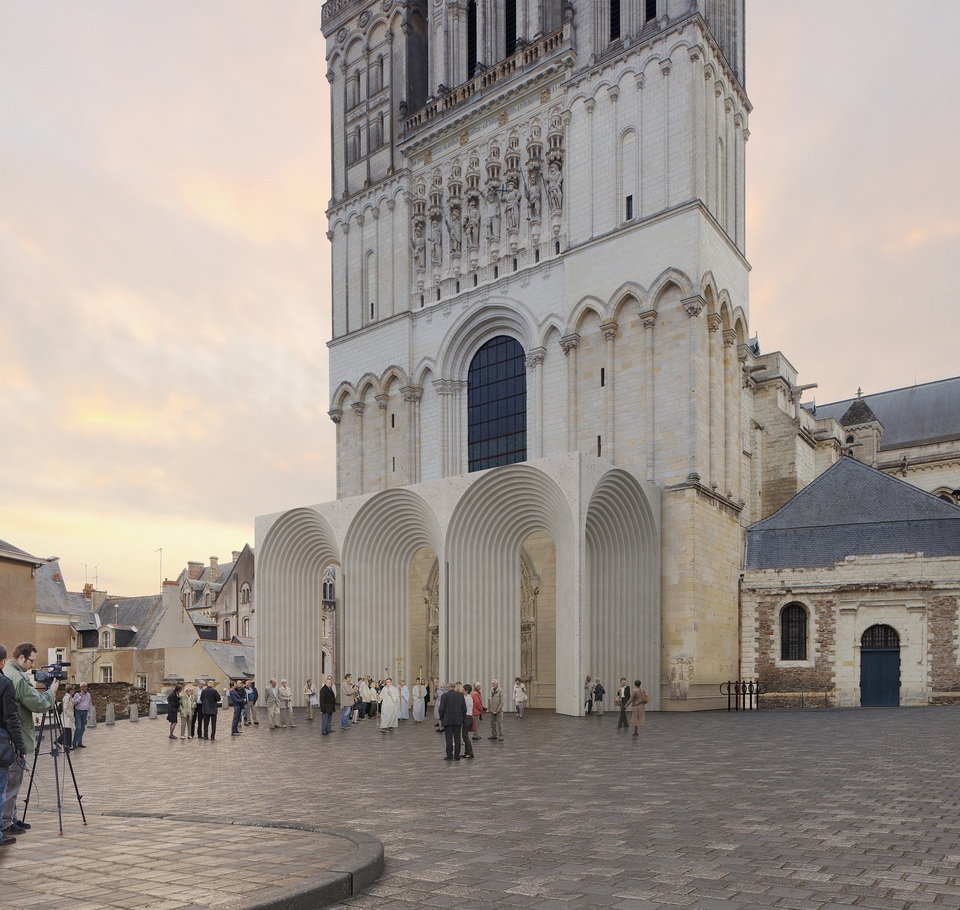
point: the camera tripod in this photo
(53, 725)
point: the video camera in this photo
(51, 672)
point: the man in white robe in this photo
(389, 699)
(404, 701)
(419, 701)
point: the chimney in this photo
(214, 567)
(88, 591)
(236, 555)
(194, 570)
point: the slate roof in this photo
(853, 509)
(859, 412)
(236, 661)
(926, 413)
(143, 613)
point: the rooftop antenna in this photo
(160, 551)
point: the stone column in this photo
(731, 400)
(535, 380)
(569, 344)
(715, 425)
(358, 408)
(693, 307)
(412, 396)
(382, 402)
(609, 328)
(336, 415)
(649, 320)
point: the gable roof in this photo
(140, 613)
(853, 509)
(236, 661)
(918, 414)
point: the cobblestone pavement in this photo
(806, 810)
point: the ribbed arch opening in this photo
(290, 566)
(481, 637)
(375, 590)
(622, 603)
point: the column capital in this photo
(535, 357)
(335, 414)
(714, 322)
(648, 318)
(570, 343)
(411, 393)
(693, 306)
(610, 329)
(729, 337)
(382, 401)
(358, 408)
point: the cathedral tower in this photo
(539, 268)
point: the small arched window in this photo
(105, 641)
(246, 626)
(793, 632)
(497, 405)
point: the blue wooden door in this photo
(880, 679)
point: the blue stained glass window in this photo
(497, 405)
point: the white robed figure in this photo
(404, 701)
(419, 701)
(389, 699)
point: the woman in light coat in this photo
(309, 697)
(67, 718)
(636, 704)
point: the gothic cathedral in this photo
(544, 390)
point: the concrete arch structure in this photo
(291, 561)
(480, 626)
(622, 597)
(380, 542)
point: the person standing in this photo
(286, 704)
(373, 697)
(210, 702)
(173, 709)
(271, 698)
(82, 706)
(598, 693)
(238, 701)
(623, 696)
(389, 698)
(468, 720)
(495, 707)
(364, 691)
(196, 720)
(404, 701)
(309, 697)
(419, 701)
(187, 704)
(438, 693)
(67, 718)
(252, 696)
(348, 693)
(10, 732)
(29, 701)
(452, 710)
(327, 702)
(636, 703)
(519, 696)
(477, 710)
(588, 695)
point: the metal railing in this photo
(743, 694)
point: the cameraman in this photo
(29, 701)
(9, 733)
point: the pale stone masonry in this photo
(566, 179)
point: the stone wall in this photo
(121, 695)
(942, 634)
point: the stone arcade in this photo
(552, 425)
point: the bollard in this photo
(92, 716)
(134, 713)
(153, 710)
(110, 715)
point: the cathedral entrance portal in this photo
(424, 659)
(538, 620)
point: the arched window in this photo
(650, 10)
(105, 641)
(793, 632)
(471, 38)
(510, 27)
(246, 626)
(614, 19)
(497, 405)
(226, 630)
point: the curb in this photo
(341, 879)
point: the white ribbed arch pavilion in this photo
(375, 616)
(490, 524)
(622, 585)
(290, 565)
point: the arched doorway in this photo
(880, 667)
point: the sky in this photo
(164, 267)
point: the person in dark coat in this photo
(210, 701)
(453, 712)
(327, 704)
(173, 709)
(238, 701)
(10, 731)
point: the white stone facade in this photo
(581, 191)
